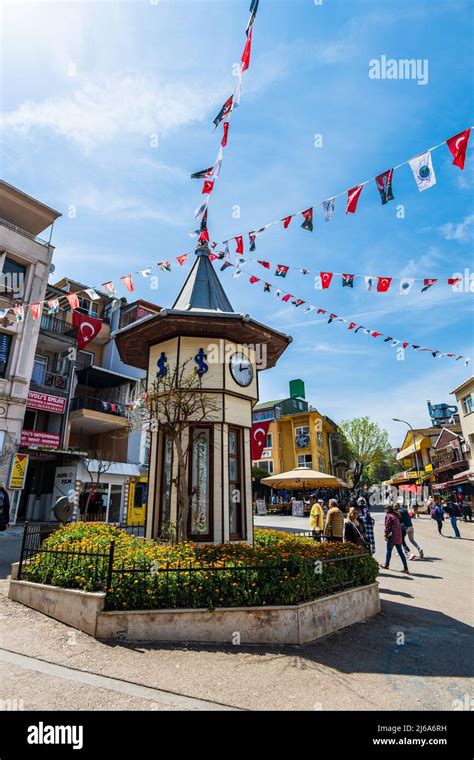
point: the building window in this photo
(5, 348)
(40, 366)
(235, 485)
(302, 437)
(319, 438)
(29, 422)
(107, 311)
(85, 359)
(467, 404)
(269, 441)
(13, 277)
(322, 464)
(167, 470)
(305, 460)
(265, 464)
(200, 481)
(91, 308)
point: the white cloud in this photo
(115, 206)
(107, 108)
(461, 231)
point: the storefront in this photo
(109, 493)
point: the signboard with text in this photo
(34, 438)
(18, 471)
(46, 401)
(261, 506)
(297, 508)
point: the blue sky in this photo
(86, 86)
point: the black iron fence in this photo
(149, 584)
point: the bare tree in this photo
(172, 403)
(96, 463)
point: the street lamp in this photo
(395, 419)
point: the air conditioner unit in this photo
(465, 448)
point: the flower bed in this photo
(280, 568)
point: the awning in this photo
(409, 450)
(98, 377)
(466, 476)
(116, 468)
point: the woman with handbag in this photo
(393, 537)
(352, 531)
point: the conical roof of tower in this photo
(202, 290)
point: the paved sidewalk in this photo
(416, 655)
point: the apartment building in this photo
(464, 394)
(298, 435)
(25, 260)
(114, 473)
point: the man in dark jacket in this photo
(452, 510)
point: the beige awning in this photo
(301, 478)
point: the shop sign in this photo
(261, 507)
(18, 471)
(297, 508)
(47, 402)
(33, 438)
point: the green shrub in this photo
(280, 568)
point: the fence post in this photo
(23, 541)
(111, 566)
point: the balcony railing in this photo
(50, 380)
(20, 231)
(57, 326)
(97, 405)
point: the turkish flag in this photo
(87, 328)
(383, 284)
(240, 244)
(259, 438)
(225, 134)
(353, 196)
(246, 53)
(458, 146)
(326, 278)
(286, 221)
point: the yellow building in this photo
(416, 455)
(298, 436)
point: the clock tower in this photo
(227, 349)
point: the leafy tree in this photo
(365, 443)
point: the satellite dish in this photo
(52, 268)
(63, 509)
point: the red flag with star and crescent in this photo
(458, 146)
(87, 327)
(259, 438)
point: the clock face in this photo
(241, 369)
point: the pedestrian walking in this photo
(369, 522)
(393, 537)
(334, 527)
(452, 511)
(437, 513)
(410, 532)
(4, 508)
(316, 518)
(352, 531)
(466, 510)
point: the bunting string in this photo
(420, 165)
(331, 317)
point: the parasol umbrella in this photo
(302, 478)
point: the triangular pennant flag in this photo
(321, 311)
(238, 272)
(353, 196)
(90, 292)
(369, 281)
(287, 297)
(406, 285)
(203, 173)
(109, 287)
(266, 287)
(427, 284)
(253, 13)
(347, 280)
(352, 325)
(212, 257)
(237, 91)
(458, 146)
(308, 219)
(225, 134)
(423, 172)
(252, 237)
(360, 327)
(331, 317)
(128, 282)
(35, 309)
(19, 312)
(207, 187)
(309, 308)
(383, 284)
(53, 306)
(225, 111)
(281, 270)
(184, 257)
(384, 186)
(225, 265)
(329, 207)
(405, 344)
(297, 302)
(304, 271)
(388, 339)
(164, 266)
(246, 54)
(146, 272)
(277, 293)
(286, 221)
(265, 264)
(73, 300)
(253, 279)
(326, 278)
(201, 209)
(375, 334)
(454, 280)
(240, 244)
